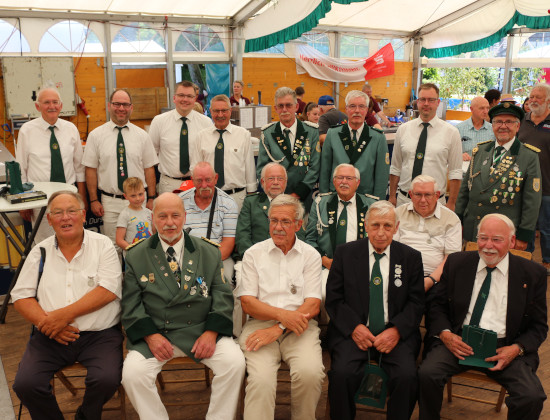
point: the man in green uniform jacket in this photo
(503, 177)
(360, 145)
(175, 302)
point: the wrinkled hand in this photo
(160, 346)
(263, 337)
(521, 245)
(67, 335)
(504, 357)
(466, 157)
(455, 344)
(363, 337)
(295, 321)
(387, 340)
(327, 262)
(149, 204)
(97, 208)
(205, 345)
(26, 214)
(54, 322)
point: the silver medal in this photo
(293, 289)
(193, 290)
(398, 283)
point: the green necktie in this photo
(420, 152)
(184, 147)
(173, 263)
(482, 298)
(497, 155)
(122, 172)
(57, 174)
(376, 297)
(342, 228)
(218, 160)
(354, 138)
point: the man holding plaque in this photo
(496, 293)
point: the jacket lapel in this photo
(362, 276)
(263, 203)
(332, 210)
(191, 256)
(517, 297)
(362, 208)
(279, 139)
(345, 138)
(164, 274)
(462, 289)
(362, 144)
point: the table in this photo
(5, 207)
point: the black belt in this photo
(183, 178)
(406, 194)
(233, 191)
(111, 195)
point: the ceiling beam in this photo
(249, 10)
(368, 31)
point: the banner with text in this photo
(321, 66)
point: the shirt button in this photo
(480, 204)
(188, 305)
(167, 321)
(188, 322)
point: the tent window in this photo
(535, 45)
(70, 37)
(10, 40)
(276, 49)
(354, 46)
(319, 41)
(199, 38)
(138, 37)
(398, 45)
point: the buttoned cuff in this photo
(219, 324)
(524, 235)
(141, 329)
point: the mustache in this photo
(278, 232)
(169, 227)
(205, 189)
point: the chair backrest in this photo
(472, 246)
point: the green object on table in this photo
(13, 177)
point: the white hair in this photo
(421, 179)
(347, 165)
(499, 216)
(381, 208)
(352, 94)
(287, 200)
(272, 165)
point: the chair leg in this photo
(63, 379)
(327, 410)
(122, 395)
(207, 376)
(161, 381)
(500, 400)
(450, 390)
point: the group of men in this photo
(177, 299)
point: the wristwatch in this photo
(521, 349)
(435, 282)
(281, 326)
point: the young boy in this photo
(135, 221)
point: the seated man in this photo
(281, 291)
(379, 318)
(74, 305)
(176, 303)
(513, 305)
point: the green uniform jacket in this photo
(153, 303)
(302, 165)
(370, 156)
(321, 233)
(513, 189)
(253, 225)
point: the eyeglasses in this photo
(283, 106)
(121, 104)
(340, 178)
(285, 223)
(275, 178)
(496, 240)
(354, 107)
(427, 196)
(430, 100)
(58, 214)
(181, 96)
(220, 111)
(48, 103)
(506, 123)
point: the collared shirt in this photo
(435, 236)
(470, 136)
(63, 283)
(178, 250)
(359, 131)
(351, 233)
(238, 156)
(165, 134)
(269, 275)
(443, 152)
(224, 223)
(34, 154)
(494, 313)
(292, 134)
(385, 271)
(538, 136)
(101, 153)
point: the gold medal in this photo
(173, 265)
(376, 281)
(184, 132)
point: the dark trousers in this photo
(346, 372)
(100, 352)
(526, 393)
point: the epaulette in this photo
(321, 195)
(533, 148)
(485, 142)
(327, 193)
(251, 194)
(268, 125)
(210, 241)
(311, 124)
(376, 129)
(372, 196)
(135, 243)
(339, 124)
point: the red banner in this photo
(380, 64)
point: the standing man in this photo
(475, 129)
(493, 97)
(292, 143)
(535, 130)
(496, 291)
(330, 116)
(379, 318)
(281, 291)
(49, 149)
(176, 303)
(228, 149)
(173, 135)
(114, 152)
(374, 107)
(74, 306)
(503, 177)
(358, 144)
(426, 145)
(300, 92)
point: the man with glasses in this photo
(292, 143)
(426, 145)
(49, 149)
(494, 290)
(71, 294)
(228, 149)
(173, 135)
(359, 145)
(281, 291)
(503, 177)
(114, 152)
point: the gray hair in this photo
(284, 91)
(46, 88)
(287, 200)
(64, 192)
(499, 216)
(221, 98)
(347, 165)
(240, 82)
(382, 208)
(366, 86)
(352, 94)
(272, 165)
(421, 179)
(543, 86)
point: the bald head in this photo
(169, 217)
(167, 198)
(480, 110)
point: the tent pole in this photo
(109, 84)
(507, 84)
(417, 64)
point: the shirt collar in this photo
(292, 128)
(506, 145)
(436, 213)
(386, 251)
(113, 125)
(351, 200)
(45, 124)
(296, 247)
(359, 131)
(432, 122)
(230, 127)
(177, 246)
(502, 266)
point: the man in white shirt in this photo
(71, 295)
(49, 149)
(114, 152)
(426, 145)
(173, 135)
(228, 149)
(281, 292)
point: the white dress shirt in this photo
(269, 275)
(178, 250)
(351, 232)
(496, 306)
(165, 134)
(385, 271)
(101, 153)
(443, 152)
(292, 134)
(238, 156)
(34, 154)
(63, 283)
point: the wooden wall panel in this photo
(140, 78)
